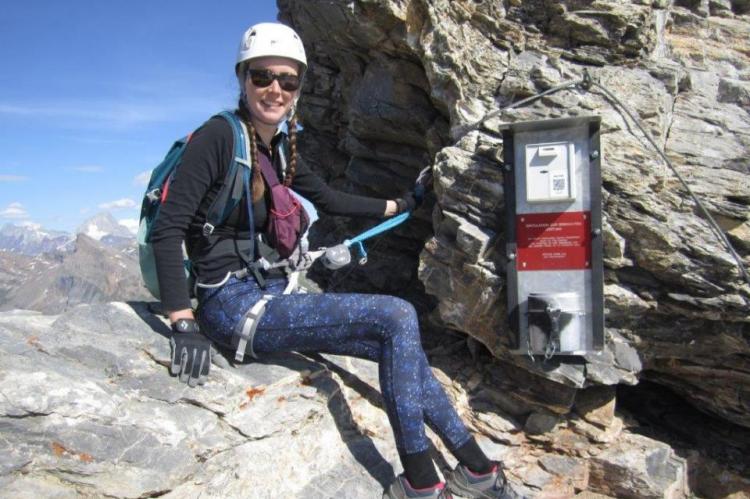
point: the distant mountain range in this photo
(52, 271)
(33, 240)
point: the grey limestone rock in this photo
(88, 409)
(412, 85)
(656, 473)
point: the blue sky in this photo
(93, 93)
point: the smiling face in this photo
(269, 105)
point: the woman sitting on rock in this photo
(270, 68)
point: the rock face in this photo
(88, 409)
(398, 84)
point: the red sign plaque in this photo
(554, 241)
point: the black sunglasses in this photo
(262, 78)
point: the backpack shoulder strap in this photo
(159, 176)
(230, 193)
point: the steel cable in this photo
(586, 82)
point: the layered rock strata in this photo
(396, 85)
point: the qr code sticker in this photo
(558, 184)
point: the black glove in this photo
(408, 202)
(424, 180)
(413, 199)
(191, 352)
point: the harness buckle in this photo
(244, 162)
(208, 229)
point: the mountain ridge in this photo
(87, 271)
(32, 239)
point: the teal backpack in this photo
(238, 176)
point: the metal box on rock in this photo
(553, 236)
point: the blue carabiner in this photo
(362, 253)
(374, 231)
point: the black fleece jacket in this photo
(197, 183)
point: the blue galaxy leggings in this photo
(375, 327)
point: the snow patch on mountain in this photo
(104, 225)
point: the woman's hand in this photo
(407, 202)
(191, 352)
(412, 199)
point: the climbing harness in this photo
(333, 258)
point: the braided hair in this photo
(292, 165)
(258, 187)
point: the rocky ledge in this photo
(88, 409)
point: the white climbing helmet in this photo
(271, 40)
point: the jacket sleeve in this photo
(205, 159)
(332, 201)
